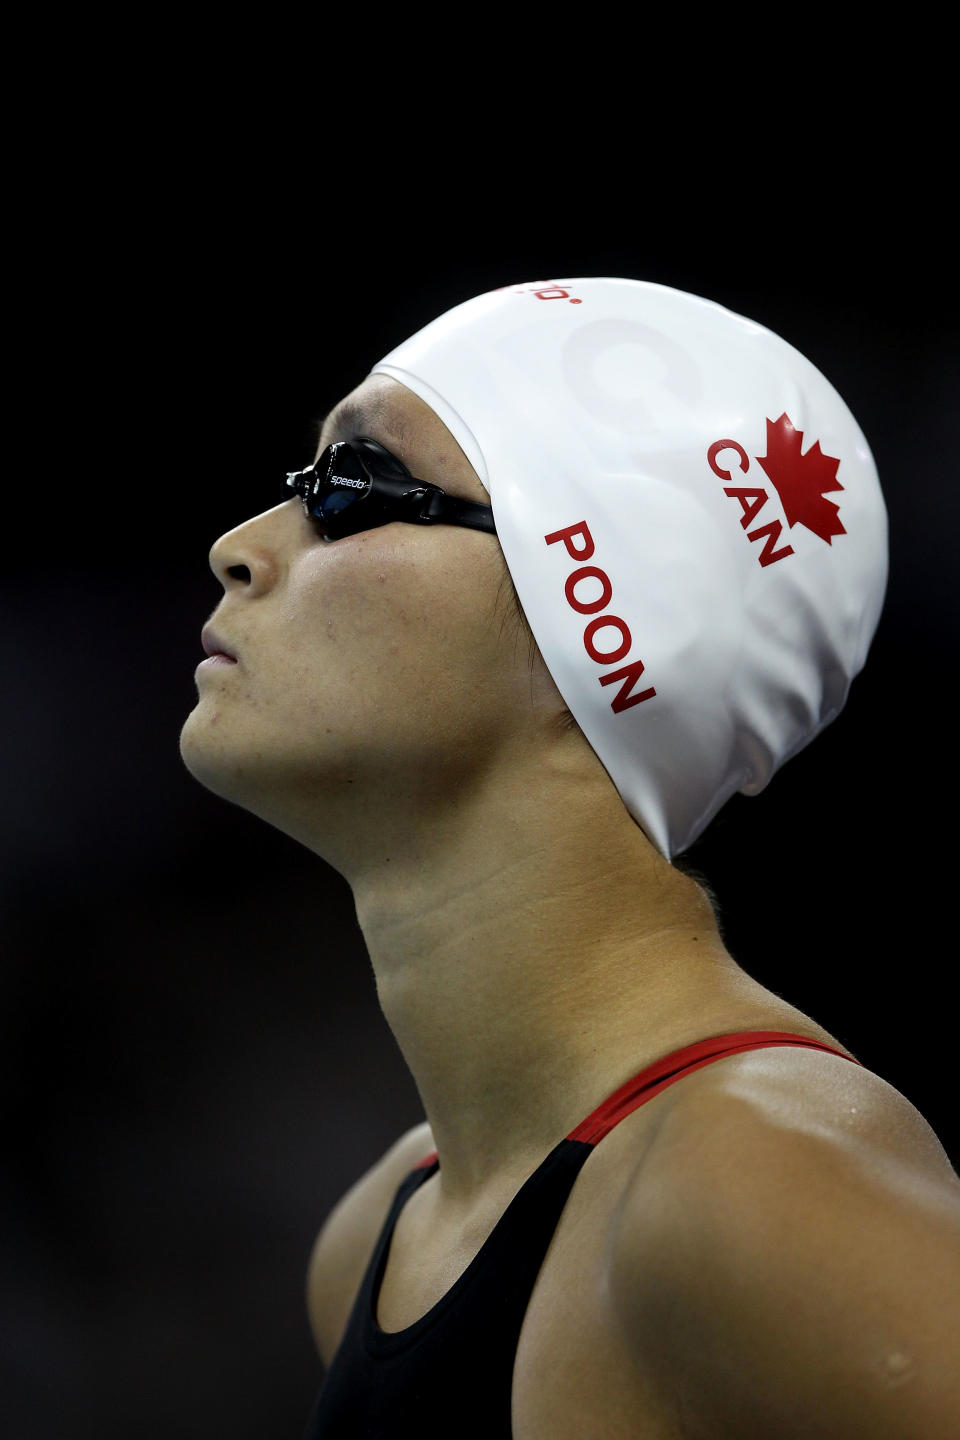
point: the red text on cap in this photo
(630, 673)
(801, 481)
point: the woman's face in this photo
(382, 668)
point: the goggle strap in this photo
(451, 509)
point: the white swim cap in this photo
(659, 470)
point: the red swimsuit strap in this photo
(661, 1073)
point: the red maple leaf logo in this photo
(802, 480)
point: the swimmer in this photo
(574, 564)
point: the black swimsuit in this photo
(457, 1360)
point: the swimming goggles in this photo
(357, 485)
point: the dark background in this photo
(195, 1066)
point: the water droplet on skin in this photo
(897, 1366)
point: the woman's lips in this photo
(217, 650)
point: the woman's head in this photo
(669, 589)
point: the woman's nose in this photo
(251, 557)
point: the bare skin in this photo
(532, 950)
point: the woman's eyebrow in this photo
(357, 418)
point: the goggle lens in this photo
(341, 493)
(357, 485)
